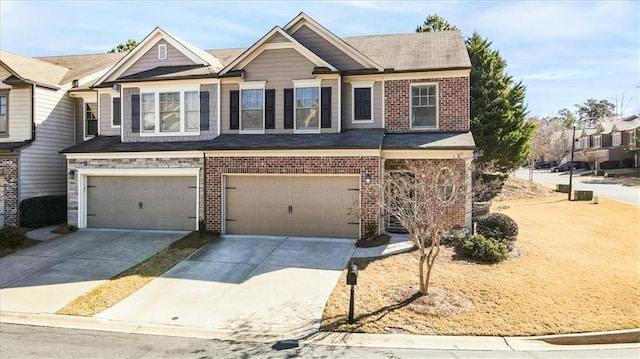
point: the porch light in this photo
(72, 174)
(367, 178)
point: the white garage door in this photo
(141, 202)
(313, 206)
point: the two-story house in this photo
(37, 121)
(291, 136)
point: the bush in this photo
(11, 237)
(485, 249)
(497, 225)
(43, 211)
(627, 163)
(456, 236)
(609, 165)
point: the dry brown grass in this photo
(134, 278)
(516, 188)
(578, 270)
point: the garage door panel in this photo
(142, 202)
(292, 205)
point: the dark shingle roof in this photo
(431, 140)
(13, 146)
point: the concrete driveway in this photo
(245, 286)
(44, 278)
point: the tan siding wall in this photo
(42, 169)
(224, 107)
(325, 49)
(4, 73)
(150, 59)
(20, 121)
(277, 38)
(347, 107)
(106, 106)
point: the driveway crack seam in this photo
(264, 259)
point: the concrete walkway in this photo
(44, 233)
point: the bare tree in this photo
(539, 143)
(427, 198)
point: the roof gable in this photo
(33, 70)
(277, 38)
(185, 49)
(303, 20)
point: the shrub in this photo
(609, 165)
(370, 231)
(43, 211)
(456, 236)
(11, 237)
(497, 225)
(627, 163)
(485, 249)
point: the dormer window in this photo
(162, 52)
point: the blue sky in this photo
(564, 52)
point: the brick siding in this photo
(453, 104)
(9, 168)
(218, 166)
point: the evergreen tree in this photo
(125, 47)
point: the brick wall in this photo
(453, 104)
(9, 189)
(218, 166)
(131, 163)
(457, 212)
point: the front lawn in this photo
(577, 269)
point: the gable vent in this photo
(162, 52)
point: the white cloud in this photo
(556, 75)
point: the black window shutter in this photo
(204, 110)
(325, 110)
(234, 109)
(135, 113)
(288, 108)
(116, 111)
(270, 109)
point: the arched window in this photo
(445, 184)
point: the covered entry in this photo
(142, 202)
(312, 206)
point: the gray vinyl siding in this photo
(150, 59)
(347, 107)
(19, 111)
(128, 136)
(325, 49)
(279, 68)
(105, 113)
(42, 169)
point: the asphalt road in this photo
(599, 187)
(18, 341)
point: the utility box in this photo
(582, 195)
(352, 274)
(562, 188)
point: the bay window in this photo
(175, 111)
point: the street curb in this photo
(598, 340)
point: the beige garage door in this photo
(315, 206)
(141, 202)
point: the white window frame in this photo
(360, 85)
(616, 139)
(420, 84)
(253, 85)
(84, 119)
(307, 84)
(163, 52)
(6, 113)
(183, 125)
(597, 141)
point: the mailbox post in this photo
(352, 280)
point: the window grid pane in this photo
(192, 111)
(148, 112)
(423, 106)
(91, 118)
(3, 114)
(170, 111)
(252, 110)
(307, 108)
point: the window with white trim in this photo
(4, 114)
(362, 104)
(424, 106)
(617, 139)
(170, 111)
(597, 141)
(162, 51)
(90, 119)
(252, 114)
(307, 105)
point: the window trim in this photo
(354, 86)
(310, 83)
(163, 52)
(597, 141)
(445, 177)
(5, 94)
(251, 85)
(113, 110)
(84, 118)
(165, 89)
(437, 125)
(616, 139)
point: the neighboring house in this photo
(291, 136)
(37, 121)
